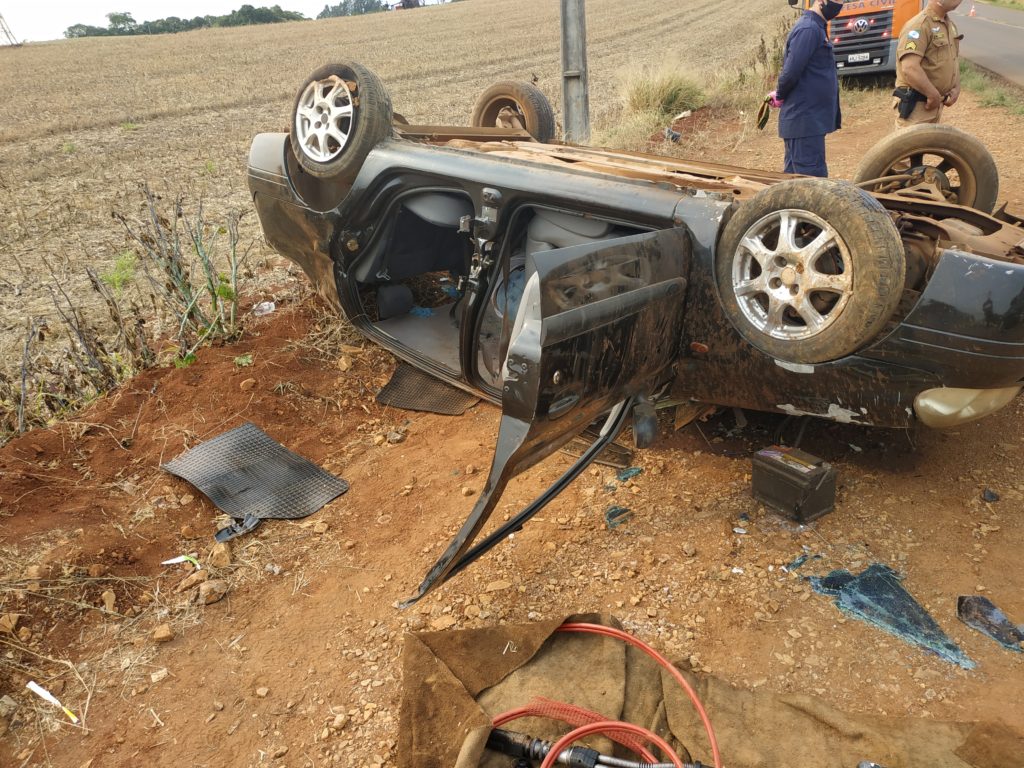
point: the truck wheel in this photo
(341, 112)
(522, 102)
(959, 163)
(810, 270)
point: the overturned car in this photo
(571, 284)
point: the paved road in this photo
(993, 38)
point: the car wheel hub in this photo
(324, 119)
(792, 275)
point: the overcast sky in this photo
(37, 20)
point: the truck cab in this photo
(865, 33)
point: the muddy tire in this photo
(527, 102)
(961, 163)
(341, 112)
(810, 270)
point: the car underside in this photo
(573, 285)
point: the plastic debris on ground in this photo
(616, 516)
(799, 562)
(989, 495)
(629, 473)
(673, 136)
(877, 597)
(263, 308)
(45, 695)
(980, 613)
(183, 559)
(421, 312)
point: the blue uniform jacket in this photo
(808, 84)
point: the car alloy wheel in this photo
(792, 275)
(324, 117)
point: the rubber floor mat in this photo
(413, 390)
(247, 474)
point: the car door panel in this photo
(598, 324)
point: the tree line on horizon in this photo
(122, 23)
(125, 24)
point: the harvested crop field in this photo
(178, 111)
(300, 664)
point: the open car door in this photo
(597, 328)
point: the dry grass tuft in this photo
(666, 90)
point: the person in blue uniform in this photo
(808, 91)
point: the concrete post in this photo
(575, 101)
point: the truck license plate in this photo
(856, 58)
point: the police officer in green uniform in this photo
(927, 65)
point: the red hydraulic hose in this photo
(608, 726)
(597, 629)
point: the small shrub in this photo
(123, 272)
(192, 281)
(68, 148)
(664, 92)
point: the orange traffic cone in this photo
(972, 12)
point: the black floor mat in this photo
(413, 390)
(247, 474)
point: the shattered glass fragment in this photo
(877, 597)
(980, 613)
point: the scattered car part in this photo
(252, 477)
(980, 613)
(515, 104)
(877, 597)
(956, 162)
(801, 486)
(413, 390)
(459, 554)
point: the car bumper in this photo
(967, 326)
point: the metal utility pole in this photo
(6, 34)
(575, 101)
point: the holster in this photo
(908, 100)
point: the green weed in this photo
(991, 92)
(123, 272)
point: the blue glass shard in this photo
(629, 473)
(877, 597)
(616, 516)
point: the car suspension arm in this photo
(457, 557)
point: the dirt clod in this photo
(163, 634)
(213, 590)
(220, 555)
(192, 580)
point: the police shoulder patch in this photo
(913, 34)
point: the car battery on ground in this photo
(793, 482)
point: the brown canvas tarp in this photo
(455, 681)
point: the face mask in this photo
(831, 9)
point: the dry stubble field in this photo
(322, 635)
(86, 121)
